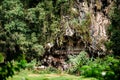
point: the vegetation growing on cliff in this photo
(114, 30)
(26, 26)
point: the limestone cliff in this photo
(85, 30)
(98, 10)
(93, 16)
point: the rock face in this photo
(98, 10)
(92, 35)
(98, 31)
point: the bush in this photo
(6, 70)
(31, 64)
(78, 61)
(22, 63)
(103, 69)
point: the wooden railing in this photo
(67, 51)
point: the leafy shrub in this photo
(92, 70)
(37, 50)
(103, 69)
(78, 61)
(6, 71)
(31, 64)
(53, 70)
(22, 63)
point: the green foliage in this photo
(31, 64)
(114, 43)
(22, 63)
(26, 25)
(109, 45)
(78, 61)
(6, 70)
(82, 28)
(114, 30)
(1, 58)
(53, 70)
(38, 49)
(26, 30)
(103, 69)
(115, 38)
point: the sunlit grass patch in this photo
(29, 75)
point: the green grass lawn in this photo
(28, 75)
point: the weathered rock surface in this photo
(72, 42)
(98, 10)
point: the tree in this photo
(114, 29)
